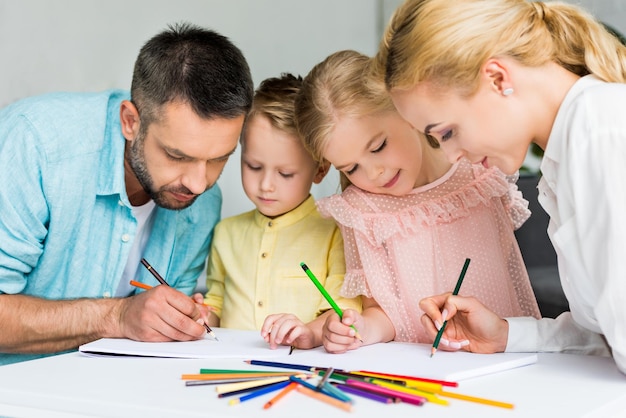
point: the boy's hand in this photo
(287, 329)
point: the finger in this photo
(283, 327)
(433, 305)
(198, 298)
(268, 324)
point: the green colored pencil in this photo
(455, 292)
(328, 298)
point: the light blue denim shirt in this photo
(66, 226)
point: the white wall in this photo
(91, 45)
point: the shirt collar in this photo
(111, 179)
(303, 210)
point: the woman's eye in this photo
(381, 147)
(352, 170)
(446, 135)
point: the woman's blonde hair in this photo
(337, 87)
(445, 42)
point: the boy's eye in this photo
(253, 167)
(380, 147)
(286, 175)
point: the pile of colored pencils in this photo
(334, 387)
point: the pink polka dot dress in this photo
(400, 249)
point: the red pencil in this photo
(399, 376)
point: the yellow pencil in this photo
(229, 387)
(400, 388)
(477, 399)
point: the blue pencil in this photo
(284, 365)
(262, 391)
(316, 389)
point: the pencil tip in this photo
(432, 351)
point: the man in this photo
(92, 183)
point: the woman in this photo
(488, 78)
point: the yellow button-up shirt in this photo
(254, 267)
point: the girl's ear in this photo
(129, 118)
(322, 170)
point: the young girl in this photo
(410, 218)
(488, 78)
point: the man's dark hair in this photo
(192, 65)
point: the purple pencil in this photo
(364, 394)
(405, 397)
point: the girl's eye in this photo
(352, 170)
(286, 175)
(252, 167)
(381, 147)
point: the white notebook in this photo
(230, 344)
(414, 360)
(394, 357)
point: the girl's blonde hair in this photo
(339, 86)
(445, 42)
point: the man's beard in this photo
(137, 162)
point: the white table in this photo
(73, 385)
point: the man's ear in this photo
(322, 170)
(496, 72)
(129, 119)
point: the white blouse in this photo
(583, 189)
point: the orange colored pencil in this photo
(280, 395)
(476, 399)
(346, 406)
(140, 285)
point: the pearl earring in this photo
(508, 91)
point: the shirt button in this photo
(106, 294)
(125, 237)
(270, 224)
(264, 255)
(260, 303)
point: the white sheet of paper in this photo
(408, 359)
(414, 360)
(230, 344)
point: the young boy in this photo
(254, 278)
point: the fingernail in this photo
(200, 321)
(454, 344)
(444, 342)
(464, 343)
(444, 314)
(437, 325)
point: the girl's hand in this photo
(338, 336)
